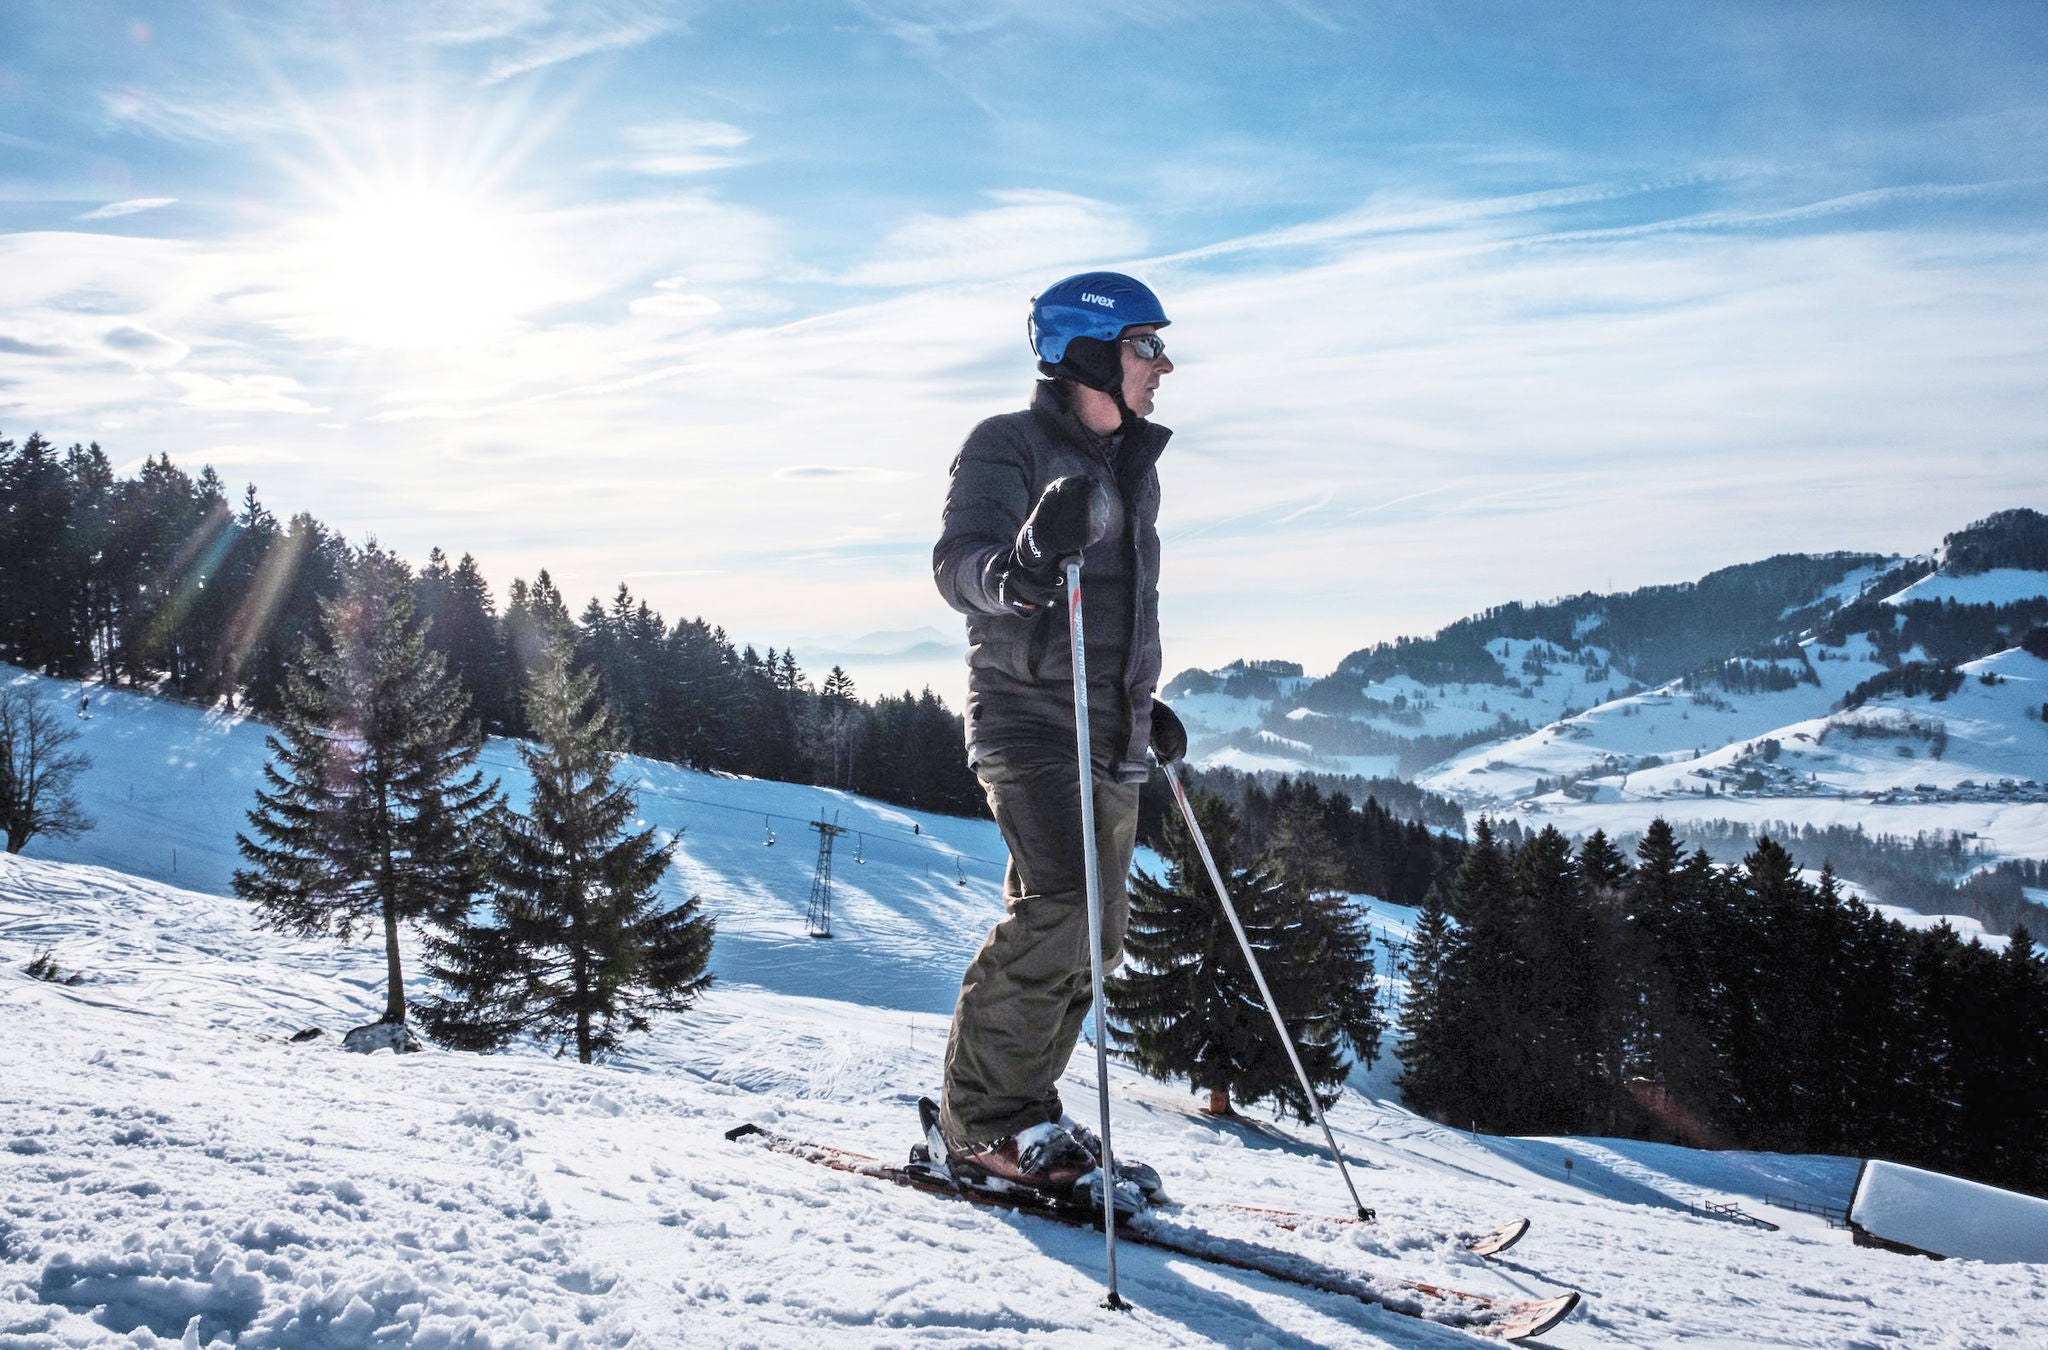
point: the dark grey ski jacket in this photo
(1020, 687)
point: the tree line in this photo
(1658, 632)
(1368, 849)
(1932, 872)
(159, 581)
(1554, 991)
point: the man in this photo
(1075, 474)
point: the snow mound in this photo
(1949, 1216)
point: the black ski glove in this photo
(1071, 514)
(1169, 734)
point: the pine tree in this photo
(1333, 937)
(1770, 1024)
(579, 954)
(838, 720)
(35, 593)
(1188, 1000)
(305, 567)
(374, 814)
(466, 634)
(1427, 1071)
(1486, 996)
(245, 592)
(2016, 1061)
(535, 616)
(90, 476)
(1566, 1011)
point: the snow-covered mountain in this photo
(1406, 705)
(1573, 712)
(177, 1168)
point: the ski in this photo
(1507, 1319)
(1492, 1242)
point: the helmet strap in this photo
(1130, 418)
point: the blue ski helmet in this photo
(1091, 309)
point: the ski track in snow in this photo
(175, 1170)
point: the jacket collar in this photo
(1129, 452)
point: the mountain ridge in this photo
(1824, 689)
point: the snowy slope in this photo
(1999, 586)
(1545, 682)
(170, 786)
(1975, 761)
(1668, 723)
(168, 1153)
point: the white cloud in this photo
(241, 393)
(583, 28)
(674, 301)
(114, 210)
(1027, 232)
(467, 21)
(209, 118)
(681, 148)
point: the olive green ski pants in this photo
(1028, 990)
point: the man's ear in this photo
(1093, 362)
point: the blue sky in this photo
(1473, 301)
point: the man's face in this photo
(1141, 376)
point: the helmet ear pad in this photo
(1091, 362)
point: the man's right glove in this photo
(1169, 734)
(1071, 514)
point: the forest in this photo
(159, 582)
(1562, 991)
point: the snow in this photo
(1948, 1215)
(1881, 765)
(1529, 696)
(1219, 713)
(170, 786)
(1669, 722)
(1244, 761)
(1967, 927)
(176, 1169)
(1849, 588)
(1999, 586)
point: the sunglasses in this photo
(1148, 346)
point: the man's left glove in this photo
(1169, 735)
(1070, 516)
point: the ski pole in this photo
(1092, 870)
(1187, 811)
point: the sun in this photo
(410, 265)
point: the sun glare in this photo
(421, 267)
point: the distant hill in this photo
(1840, 688)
